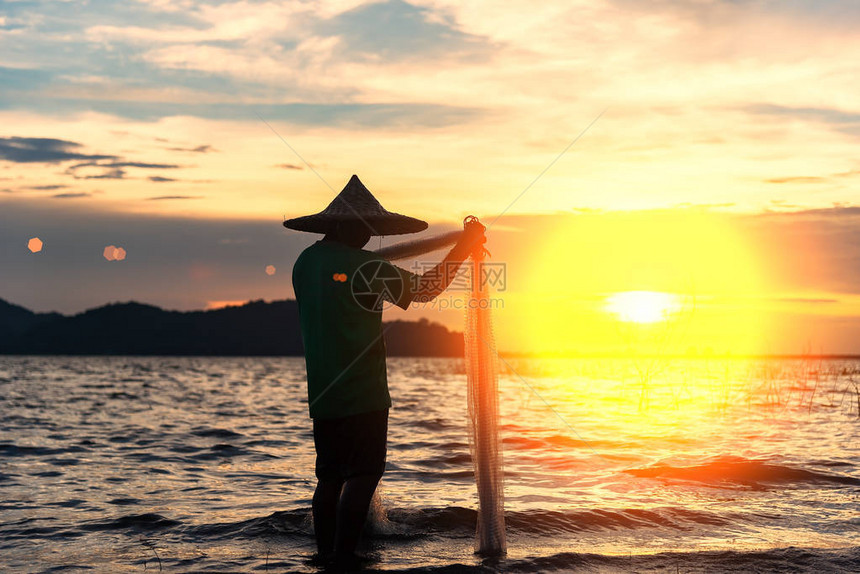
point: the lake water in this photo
(130, 464)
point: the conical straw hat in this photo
(356, 203)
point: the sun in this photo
(619, 283)
(642, 306)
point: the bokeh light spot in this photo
(35, 245)
(270, 269)
(114, 253)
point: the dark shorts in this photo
(351, 446)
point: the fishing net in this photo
(483, 397)
(482, 377)
(406, 249)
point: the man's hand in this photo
(437, 279)
(473, 236)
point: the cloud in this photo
(850, 173)
(11, 24)
(47, 187)
(44, 150)
(835, 213)
(23, 79)
(674, 74)
(141, 164)
(113, 169)
(805, 300)
(144, 62)
(111, 173)
(87, 166)
(289, 166)
(396, 30)
(833, 13)
(167, 197)
(689, 205)
(826, 115)
(813, 178)
(347, 115)
(160, 179)
(72, 195)
(198, 149)
(842, 121)
(811, 249)
(797, 179)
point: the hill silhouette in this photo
(256, 328)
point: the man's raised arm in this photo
(436, 280)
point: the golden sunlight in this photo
(642, 306)
(601, 283)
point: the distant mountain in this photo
(16, 320)
(256, 328)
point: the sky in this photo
(701, 148)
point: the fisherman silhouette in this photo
(341, 290)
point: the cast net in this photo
(483, 397)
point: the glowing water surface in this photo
(208, 463)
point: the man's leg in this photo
(329, 484)
(352, 513)
(325, 501)
(365, 465)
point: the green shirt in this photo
(340, 292)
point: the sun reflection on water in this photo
(704, 454)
